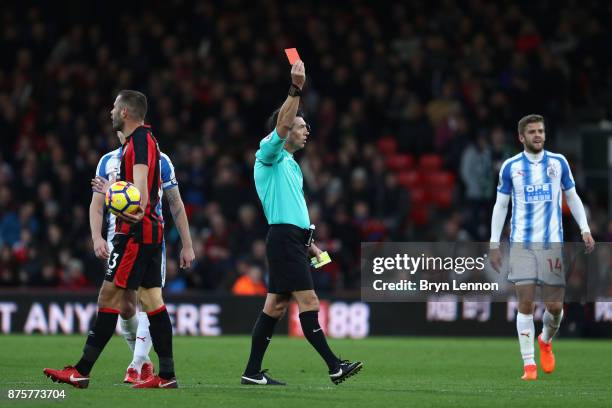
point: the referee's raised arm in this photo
(283, 120)
(287, 112)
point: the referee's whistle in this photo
(311, 231)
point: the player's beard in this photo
(532, 148)
(118, 124)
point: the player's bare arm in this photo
(290, 107)
(96, 215)
(177, 209)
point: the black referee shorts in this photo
(288, 259)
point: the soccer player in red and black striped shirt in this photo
(140, 149)
(135, 262)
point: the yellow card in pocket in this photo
(325, 259)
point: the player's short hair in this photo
(525, 120)
(271, 123)
(135, 102)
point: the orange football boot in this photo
(547, 358)
(531, 373)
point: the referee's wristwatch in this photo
(295, 90)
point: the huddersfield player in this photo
(135, 262)
(135, 326)
(279, 184)
(535, 178)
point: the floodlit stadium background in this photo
(413, 109)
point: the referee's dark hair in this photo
(271, 123)
(135, 101)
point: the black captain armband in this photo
(295, 90)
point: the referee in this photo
(279, 184)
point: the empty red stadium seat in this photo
(441, 197)
(430, 162)
(418, 196)
(419, 215)
(439, 179)
(399, 162)
(387, 145)
(409, 179)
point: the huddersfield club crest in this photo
(551, 171)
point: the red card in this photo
(292, 55)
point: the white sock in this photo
(128, 330)
(551, 325)
(526, 331)
(143, 342)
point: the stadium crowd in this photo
(413, 108)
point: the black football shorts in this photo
(132, 264)
(288, 259)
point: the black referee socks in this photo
(262, 334)
(103, 330)
(160, 328)
(315, 336)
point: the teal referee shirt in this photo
(279, 183)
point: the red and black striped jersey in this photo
(141, 148)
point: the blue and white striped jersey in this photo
(108, 167)
(536, 188)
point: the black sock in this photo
(103, 330)
(262, 334)
(315, 336)
(160, 328)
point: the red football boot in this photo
(69, 375)
(147, 371)
(157, 382)
(531, 373)
(131, 376)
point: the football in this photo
(122, 197)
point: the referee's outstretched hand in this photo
(298, 73)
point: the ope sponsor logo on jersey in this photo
(538, 192)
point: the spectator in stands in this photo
(250, 283)
(477, 176)
(175, 281)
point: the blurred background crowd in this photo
(413, 107)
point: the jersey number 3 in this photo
(113, 262)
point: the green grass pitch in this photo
(398, 372)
